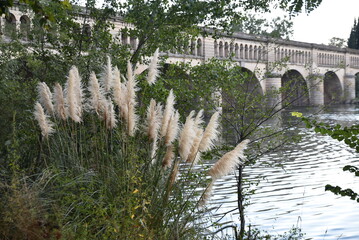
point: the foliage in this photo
(93, 180)
(276, 28)
(45, 14)
(349, 135)
(238, 94)
(170, 25)
(353, 40)
(337, 42)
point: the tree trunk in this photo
(240, 202)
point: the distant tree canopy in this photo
(275, 28)
(337, 42)
(353, 41)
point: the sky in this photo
(333, 18)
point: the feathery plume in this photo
(45, 124)
(228, 161)
(206, 194)
(153, 69)
(210, 134)
(78, 89)
(59, 102)
(199, 119)
(130, 76)
(117, 87)
(110, 118)
(96, 94)
(132, 120)
(169, 110)
(107, 76)
(131, 85)
(45, 97)
(195, 154)
(187, 136)
(168, 158)
(153, 120)
(73, 100)
(172, 129)
(122, 101)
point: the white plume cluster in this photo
(45, 124)
(153, 69)
(162, 127)
(228, 161)
(59, 102)
(45, 97)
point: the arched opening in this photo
(86, 31)
(133, 43)
(236, 51)
(241, 51)
(242, 98)
(199, 47)
(24, 27)
(231, 49)
(333, 92)
(124, 38)
(294, 89)
(10, 25)
(221, 49)
(226, 49)
(215, 49)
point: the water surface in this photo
(294, 195)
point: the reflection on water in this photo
(295, 195)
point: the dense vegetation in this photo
(72, 174)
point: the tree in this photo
(246, 109)
(168, 24)
(353, 41)
(337, 42)
(276, 28)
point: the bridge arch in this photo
(10, 25)
(333, 91)
(24, 26)
(220, 49)
(294, 89)
(199, 47)
(357, 85)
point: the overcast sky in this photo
(333, 18)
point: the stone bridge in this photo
(327, 73)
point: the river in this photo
(294, 195)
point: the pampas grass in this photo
(168, 158)
(96, 94)
(45, 97)
(153, 123)
(187, 136)
(172, 129)
(143, 168)
(59, 102)
(45, 124)
(228, 161)
(131, 85)
(107, 76)
(210, 134)
(74, 94)
(169, 110)
(153, 69)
